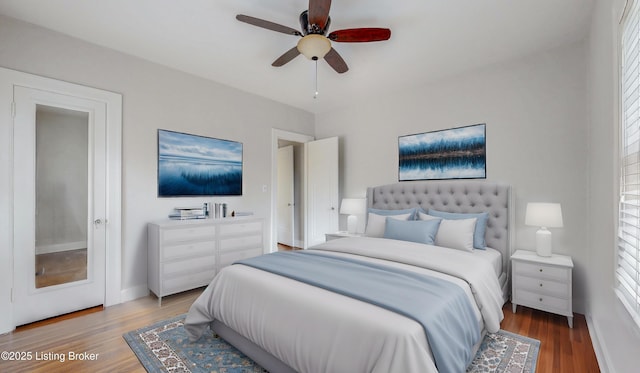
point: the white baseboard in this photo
(134, 293)
(56, 248)
(599, 348)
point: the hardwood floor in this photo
(91, 332)
(100, 332)
(61, 267)
(562, 349)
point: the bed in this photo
(317, 324)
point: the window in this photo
(628, 257)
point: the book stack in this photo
(185, 213)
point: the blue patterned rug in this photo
(164, 347)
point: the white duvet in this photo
(315, 330)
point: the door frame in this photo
(278, 134)
(113, 260)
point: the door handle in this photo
(99, 222)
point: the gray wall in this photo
(534, 109)
(618, 338)
(156, 97)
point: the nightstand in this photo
(341, 234)
(542, 283)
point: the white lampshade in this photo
(353, 207)
(543, 215)
(548, 215)
(314, 46)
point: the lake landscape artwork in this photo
(192, 165)
(457, 153)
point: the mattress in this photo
(314, 330)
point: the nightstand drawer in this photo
(541, 286)
(541, 271)
(543, 302)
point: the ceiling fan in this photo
(314, 43)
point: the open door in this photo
(322, 182)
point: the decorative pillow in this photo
(479, 230)
(456, 234)
(376, 223)
(384, 212)
(422, 231)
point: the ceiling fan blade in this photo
(286, 57)
(360, 35)
(335, 60)
(319, 13)
(267, 24)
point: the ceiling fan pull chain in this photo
(316, 94)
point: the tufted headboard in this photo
(454, 196)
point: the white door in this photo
(322, 189)
(285, 196)
(59, 202)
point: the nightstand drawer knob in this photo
(540, 269)
(540, 299)
(540, 285)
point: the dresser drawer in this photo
(227, 258)
(541, 271)
(192, 265)
(189, 281)
(188, 234)
(239, 243)
(189, 249)
(543, 302)
(240, 228)
(542, 286)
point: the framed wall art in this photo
(456, 153)
(193, 165)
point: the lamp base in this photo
(543, 242)
(352, 224)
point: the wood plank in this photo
(562, 349)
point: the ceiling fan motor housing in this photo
(312, 29)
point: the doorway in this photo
(318, 183)
(281, 138)
(290, 170)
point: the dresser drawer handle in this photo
(540, 284)
(540, 299)
(540, 269)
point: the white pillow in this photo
(376, 223)
(456, 234)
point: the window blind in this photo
(628, 258)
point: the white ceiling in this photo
(430, 39)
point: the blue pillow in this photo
(383, 212)
(478, 232)
(422, 231)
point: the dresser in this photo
(543, 283)
(186, 254)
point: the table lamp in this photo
(353, 207)
(543, 215)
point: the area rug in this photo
(165, 347)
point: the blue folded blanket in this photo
(441, 307)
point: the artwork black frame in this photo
(455, 153)
(193, 165)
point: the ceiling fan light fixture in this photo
(314, 46)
